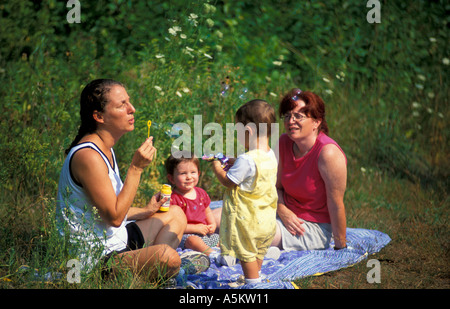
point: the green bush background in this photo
(385, 87)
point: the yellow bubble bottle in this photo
(166, 191)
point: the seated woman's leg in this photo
(152, 262)
(164, 227)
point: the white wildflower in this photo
(432, 40)
(159, 56)
(183, 36)
(273, 94)
(415, 114)
(177, 28)
(329, 91)
(193, 19)
(325, 79)
(208, 56)
(431, 95)
(187, 52)
(421, 77)
(178, 94)
(210, 23)
(441, 115)
(172, 31)
(446, 61)
(189, 49)
(158, 88)
(185, 89)
(415, 104)
(429, 110)
(208, 8)
(219, 34)
(278, 63)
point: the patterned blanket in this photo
(278, 274)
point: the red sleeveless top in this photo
(304, 188)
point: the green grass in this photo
(385, 87)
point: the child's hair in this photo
(181, 156)
(256, 111)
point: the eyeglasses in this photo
(297, 116)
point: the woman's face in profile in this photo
(118, 113)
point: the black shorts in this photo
(135, 237)
(135, 241)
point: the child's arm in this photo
(210, 220)
(222, 175)
(198, 228)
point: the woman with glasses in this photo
(311, 180)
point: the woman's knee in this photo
(176, 213)
(170, 258)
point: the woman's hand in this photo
(155, 203)
(293, 224)
(144, 154)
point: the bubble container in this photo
(166, 191)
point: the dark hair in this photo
(314, 106)
(180, 156)
(256, 111)
(93, 98)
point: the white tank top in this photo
(77, 216)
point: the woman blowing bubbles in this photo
(95, 205)
(312, 176)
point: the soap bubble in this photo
(170, 129)
(224, 89)
(243, 93)
(173, 131)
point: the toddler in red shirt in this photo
(183, 172)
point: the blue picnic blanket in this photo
(278, 274)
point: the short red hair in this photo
(314, 106)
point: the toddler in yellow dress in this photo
(248, 220)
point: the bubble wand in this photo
(149, 124)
